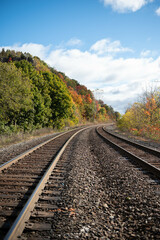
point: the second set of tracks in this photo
(31, 185)
(147, 158)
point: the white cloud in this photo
(120, 79)
(106, 46)
(33, 48)
(158, 11)
(74, 42)
(126, 5)
(148, 53)
(145, 53)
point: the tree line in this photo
(34, 95)
(143, 117)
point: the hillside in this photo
(34, 95)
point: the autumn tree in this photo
(143, 117)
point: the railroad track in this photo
(146, 158)
(30, 186)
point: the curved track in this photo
(147, 158)
(22, 181)
(134, 144)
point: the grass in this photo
(6, 140)
(13, 138)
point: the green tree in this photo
(40, 90)
(61, 105)
(15, 93)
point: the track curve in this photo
(152, 165)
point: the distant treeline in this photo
(34, 95)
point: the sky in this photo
(110, 46)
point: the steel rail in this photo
(138, 160)
(15, 159)
(140, 146)
(19, 224)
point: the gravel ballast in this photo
(106, 196)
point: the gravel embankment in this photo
(14, 150)
(107, 197)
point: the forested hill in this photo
(34, 95)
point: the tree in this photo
(15, 93)
(143, 117)
(40, 90)
(61, 105)
(33, 94)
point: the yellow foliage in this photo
(143, 118)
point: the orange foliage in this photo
(97, 106)
(76, 97)
(60, 76)
(151, 105)
(148, 113)
(88, 98)
(10, 59)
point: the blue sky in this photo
(109, 45)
